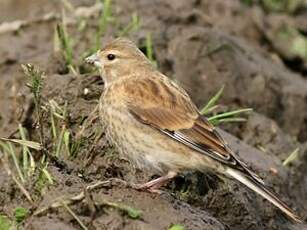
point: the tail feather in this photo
(263, 191)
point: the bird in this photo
(153, 122)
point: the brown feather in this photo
(159, 105)
(163, 105)
(202, 132)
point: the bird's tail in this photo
(263, 191)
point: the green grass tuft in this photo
(211, 105)
(65, 43)
(36, 85)
(230, 116)
(225, 117)
(20, 214)
(59, 132)
(5, 223)
(36, 80)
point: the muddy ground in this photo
(203, 45)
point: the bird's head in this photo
(119, 58)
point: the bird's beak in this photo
(93, 60)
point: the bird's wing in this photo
(166, 107)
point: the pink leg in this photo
(154, 185)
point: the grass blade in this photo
(30, 144)
(149, 49)
(53, 126)
(227, 120)
(212, 102)
(32, 165)
(9, 149)
(13, 154)
(291, 157)
(132, 213)
(25, 149)
(230, 114)
(65, 43)
(47, 175)
(66, 138)
(60, 142)
(74, 216)
(211, 109)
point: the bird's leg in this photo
(155, 184)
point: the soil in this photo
(203, 45)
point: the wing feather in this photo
(167, 108)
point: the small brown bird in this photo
(154, 123)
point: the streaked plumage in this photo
(156, 125)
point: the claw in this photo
(154, 185)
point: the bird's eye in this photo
(111, 57)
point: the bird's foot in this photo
(154, 185)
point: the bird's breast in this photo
(143, 145)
